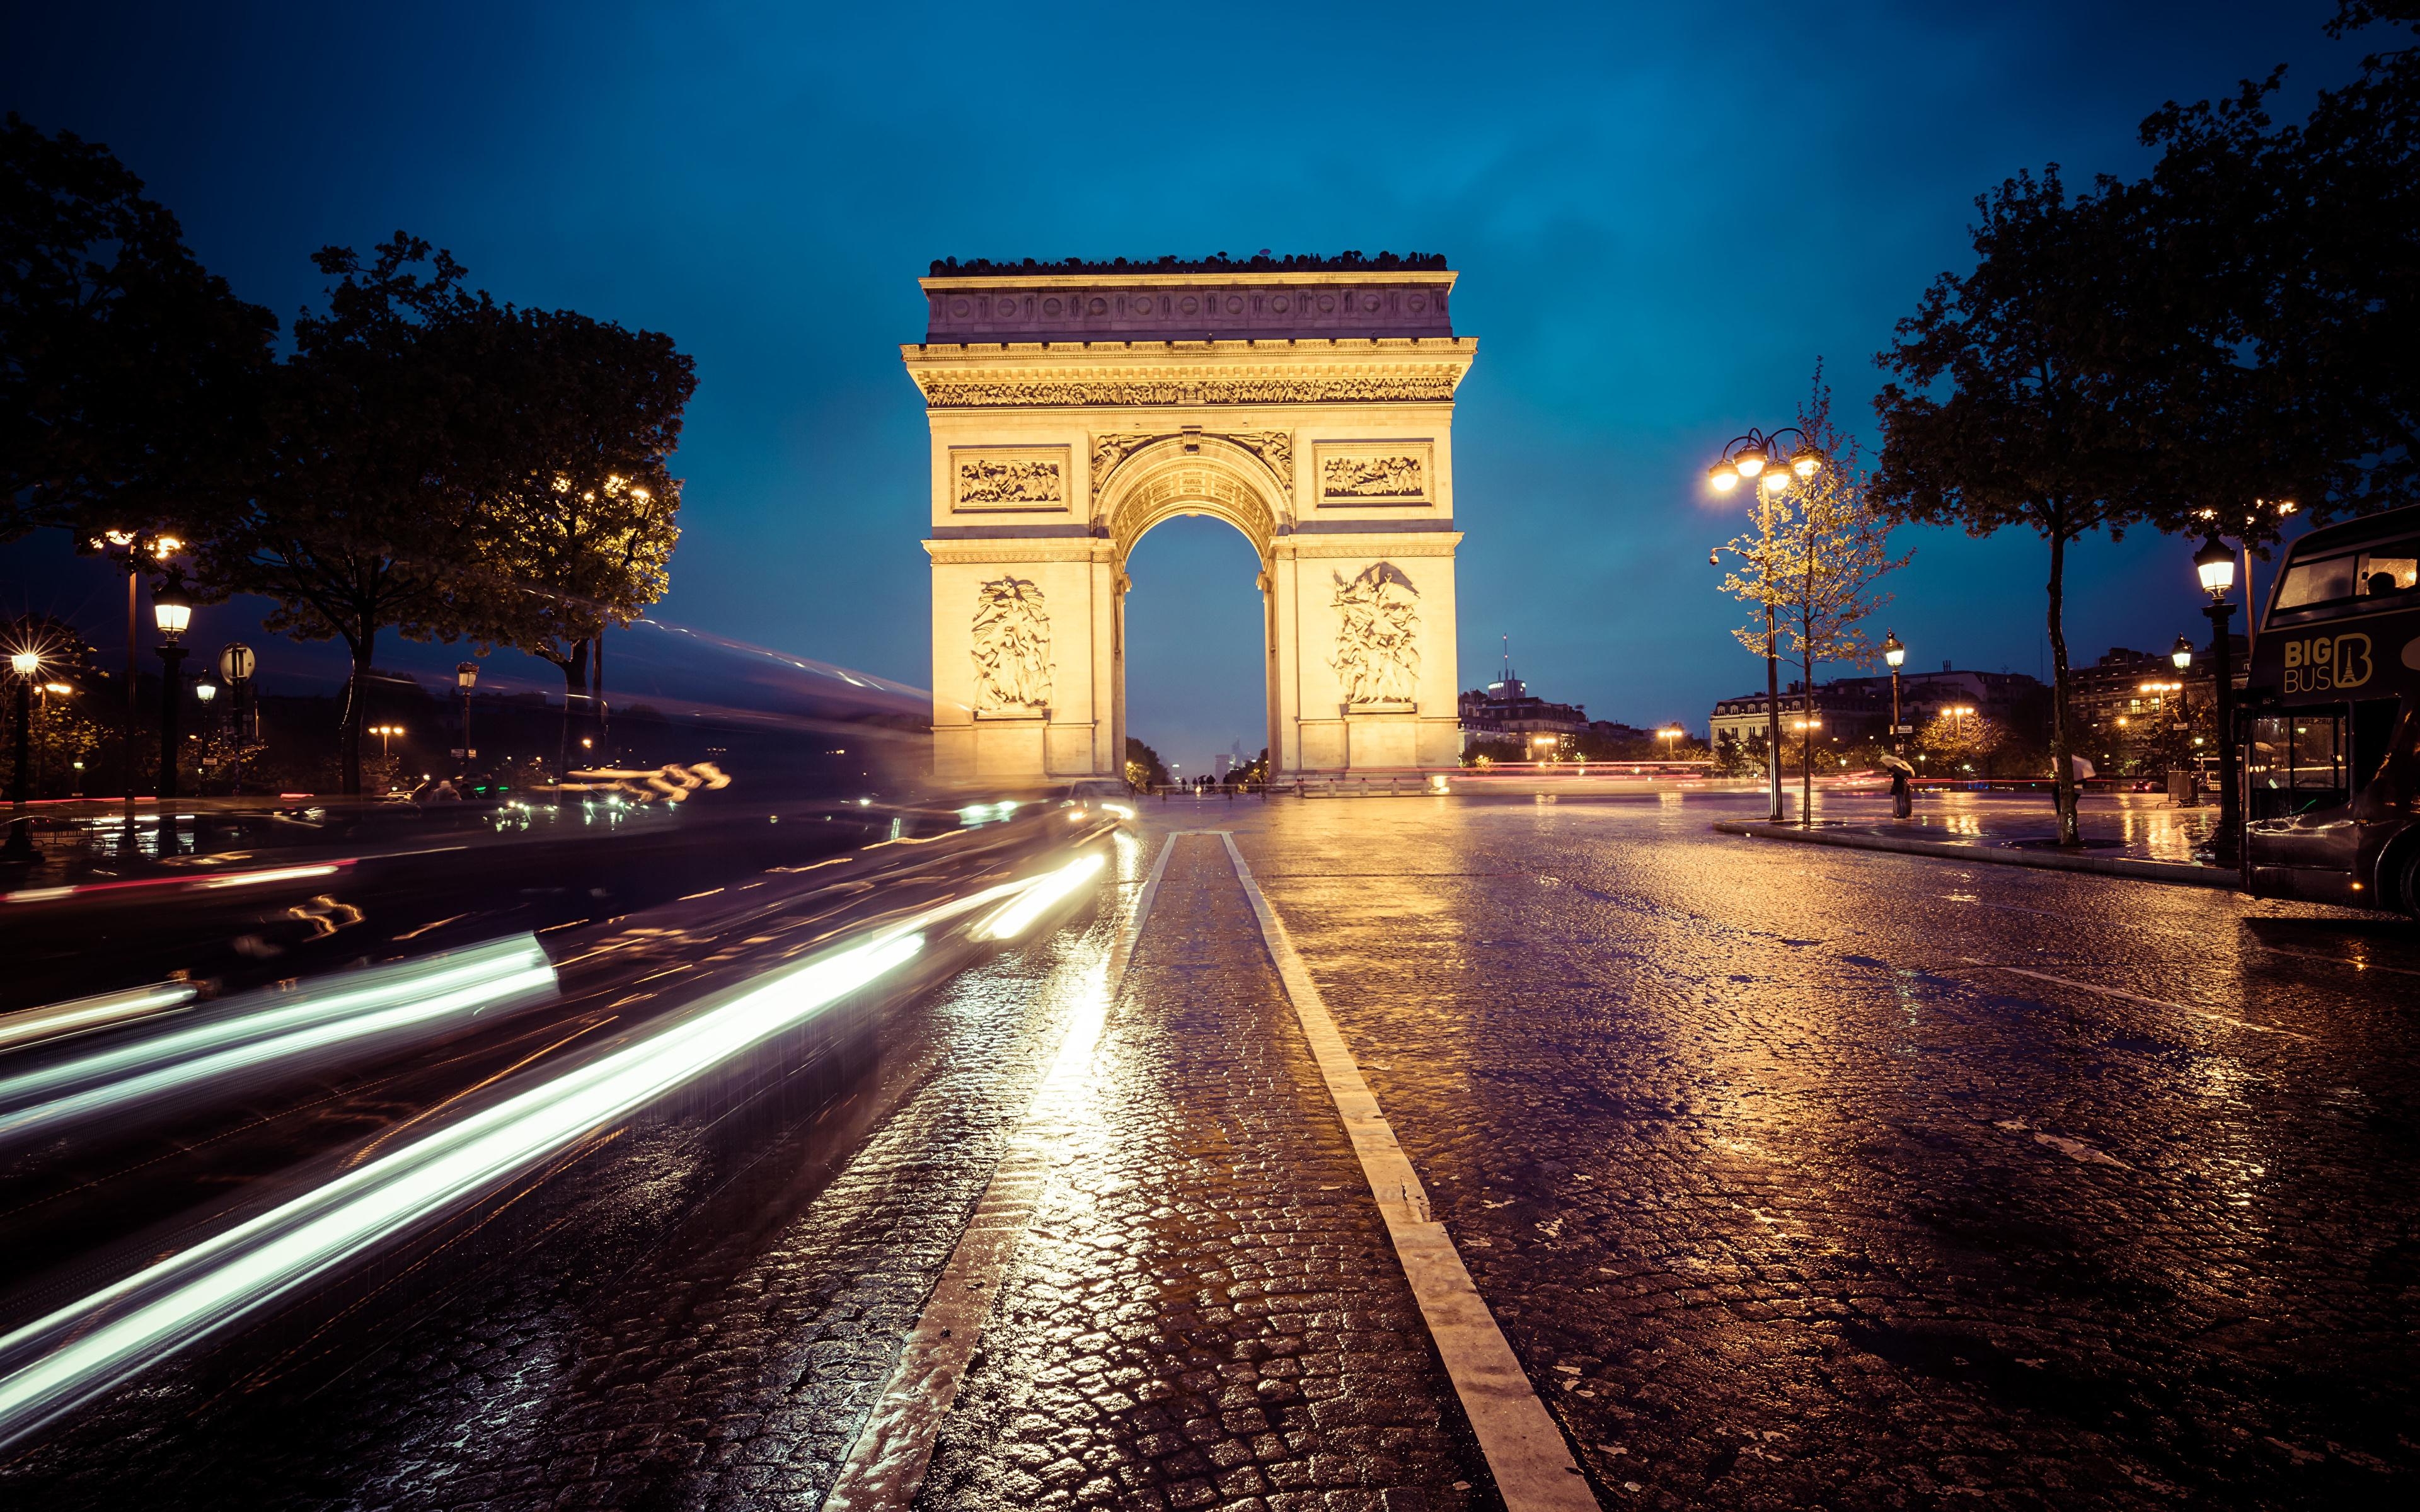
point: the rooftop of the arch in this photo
(1221, 299)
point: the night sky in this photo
(1663, 215)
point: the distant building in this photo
(1506, 710)
(2129, 705)
(1851, 711)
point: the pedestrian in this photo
(1903, 793)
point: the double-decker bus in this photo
(2331, 740)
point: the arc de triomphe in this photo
(1307, 402)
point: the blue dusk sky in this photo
(1663, 215)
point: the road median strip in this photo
(2178, 872)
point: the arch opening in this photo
(1169, 482)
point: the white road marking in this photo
(886, 1465)
(2124, 996)
(1531, 1463)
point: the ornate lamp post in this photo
(2214, 565)
(134, 549)
(1770, 467)
(1894, 653)
(24, 665)
(171, 611)
(466, 677)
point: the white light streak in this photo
(82, 1349)
(1050, 888)
(282, 874)
(90, 1012)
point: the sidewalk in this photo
(2127, 834)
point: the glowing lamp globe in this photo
(171, 611)
(2215, 564)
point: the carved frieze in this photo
(1024, 478)
(1377, 657)
(952, 393)
(1012, 646)
(1364, 474)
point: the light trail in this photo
(81, 1013)
(279, 1028)
(1039, 895)
(55, 1364)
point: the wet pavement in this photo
(2141, 826)
(1795, 1177)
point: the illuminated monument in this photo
(1308, 402)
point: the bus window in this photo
(2395, 570)
(2390, 567)
(2295, 762)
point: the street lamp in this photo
(134, 549)
(25, 664)
(1766, 461)
(2214, 565)
(2183, 654)
(1895, 654)
(466, 677)
(171, 611)
(385, 732)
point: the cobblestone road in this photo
(1208, 1311)
(1796, 1178)
(1844, 1180)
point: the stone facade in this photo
(1072, 411)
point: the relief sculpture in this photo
(1108, 452)
(1375, 657)
(1275, 447)
(984, 482)
(1012, 646)
(1370, 477)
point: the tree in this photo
(361, 517)
(1960, 739)
(2018, 411)
(1735, 757)
(578, 511)
(2292, 250)
(128, 375)
(1834, 552)
(1143, 768)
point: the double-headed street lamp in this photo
(1770, 467)
(2214, 565)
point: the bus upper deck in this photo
(2328, 730)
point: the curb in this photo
(2172, 872)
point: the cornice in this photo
(1426, 544)
(1362, 277)
(1093, 548)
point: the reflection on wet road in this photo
(1794, 1178)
